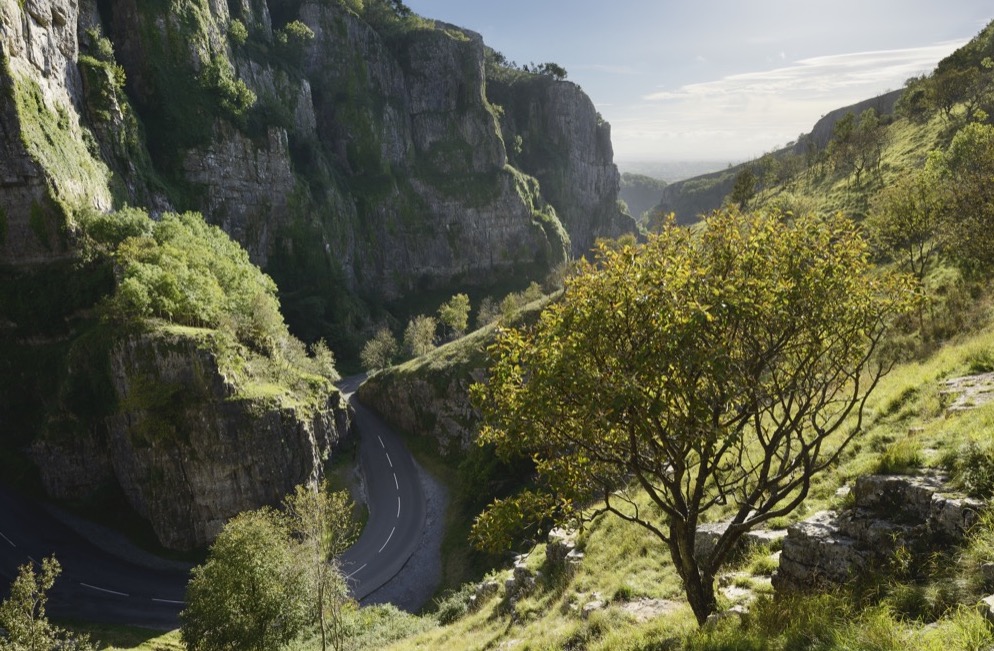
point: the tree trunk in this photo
(698, 584)
(700, 594)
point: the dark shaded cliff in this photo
(357, 152)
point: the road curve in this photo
(99, 586)
(95, 585)
(395, 499)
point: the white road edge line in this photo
(389, 460)
(381, 442)
(398, 506)
(395, 483)
(11, 542)
(388, 540)
(93, 587)
(168, 601)
(349, 576)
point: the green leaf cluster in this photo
(271, 573)
(23, 617)
(251, 592)
(185, 271)
(725, 367)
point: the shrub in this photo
(901, 457)
(237, 32)
(974, 469)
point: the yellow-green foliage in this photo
(188, 280)
(182, 270)
(55, 140)
(818, 189)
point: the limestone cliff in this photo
(353, 149)
(189, 445)
(367, 147)
(562, 140)
(46, 169)
(376, 134)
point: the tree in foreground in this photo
(321, 521)
(251, 593)
(23, 617)
(717, 372)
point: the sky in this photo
(720, 80)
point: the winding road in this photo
(394, 497)
(100, 586)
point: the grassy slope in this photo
(624, 563)
(819, 189)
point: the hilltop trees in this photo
(857, 143)
(909, 219)
(454, 314)
(419, 335)
(947, 208)
(718, 372)
(968, 174)
(380, 351)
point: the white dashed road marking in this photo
(395, 483)
(398, 506)
(389, 460)
(168, 601)
(11, 542)
(388, 540)
(349, 576)
(381, 442)
(93, 587)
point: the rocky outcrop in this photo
(435, 407)
(186, 446)
(891, 512)
(566, 145)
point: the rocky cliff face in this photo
(566, 145)
(187, 448)
(46, 170)
(373, 144)
(359, 158)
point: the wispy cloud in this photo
(743, 115)
(818, 75)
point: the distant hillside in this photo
(641, 193)
(822, 131)
(700, 195)
(672, 171)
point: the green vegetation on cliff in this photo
(52, 136)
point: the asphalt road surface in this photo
(395, 500)
(97, 585)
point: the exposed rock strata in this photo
(186, 449)
(891, 511)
